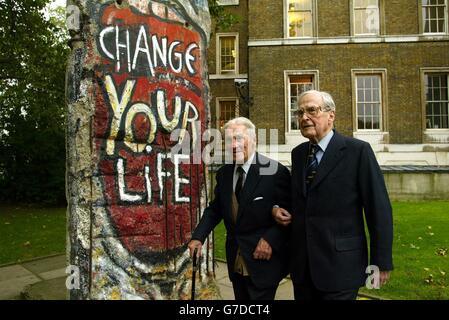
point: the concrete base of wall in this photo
(417, 185)
(386, 154)
(412, 172)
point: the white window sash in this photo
(305, 11)
(427, 102)
(364, 28)
(425, 19)
(372, 102)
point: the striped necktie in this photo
(312, 164)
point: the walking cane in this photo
(194, 273)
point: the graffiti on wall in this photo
(150, 80)
(148, 75)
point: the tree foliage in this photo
(223, 19)
(32, 85)
(33, 57)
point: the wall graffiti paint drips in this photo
(133, 207)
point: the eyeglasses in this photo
(310, 110)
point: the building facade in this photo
(228, 66)
(385, 62)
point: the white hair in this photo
(250, 127)
(240, 121)
(328, 101)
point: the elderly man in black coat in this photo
(336, 181)
(245, 193)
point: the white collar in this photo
(325, 141)
(247, 164)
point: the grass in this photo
(420, 252)
(220, 240)
(27, 233)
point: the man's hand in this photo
(263, 250)
(384, 276)
(195, 244)
(282, 216)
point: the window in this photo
(228, 2)
(227, 54)
(227, 109)
(434, 15)
(297, 85)
(369, 102)
(366, 17)
(437, 100)
(300, 18)
(369, 105)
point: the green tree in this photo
(223, 19)
(33, 57)
(32, 88)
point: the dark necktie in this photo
(312, 164)
(239, 185)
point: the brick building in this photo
(385, 62)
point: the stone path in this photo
(15, 278)
(44, 279)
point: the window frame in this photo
(228, 2)
(424, 72)
(218, 108)
(383, 125)
(380, 6)
(218, 52)
(314, 21)
(422, 23)
(287, 74)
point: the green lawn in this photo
(220, 238)
(420, 251)
(27, 233)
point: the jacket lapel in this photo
(334, 152)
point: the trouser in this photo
(244, 289)
(307, 291)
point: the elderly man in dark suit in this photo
(245, 193)
(335, 180)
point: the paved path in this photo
(47, 277)
(284, 292)
(14, 278)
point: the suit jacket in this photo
(254, 220)
(328, 229)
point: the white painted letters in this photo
(117, 108)
(124, 196)
(119, 45)
(146, 50)
(176, 55)
(178, 179)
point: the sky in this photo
(58, 3)
(53, 4)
